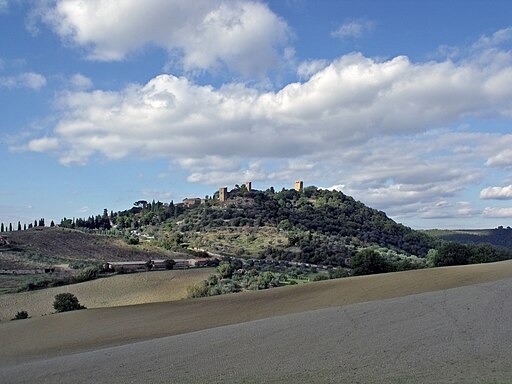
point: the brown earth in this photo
(114, 291)
(47, 246)
(93, 329)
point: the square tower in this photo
(248, 186)
(223, 193)
(299, 186)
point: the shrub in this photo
(86, 274)
(368, 261)
(169, 264)
(320, 277)
(338, 273)
(37, 283)
(451, 254)
(198, 290)
(21, 315)
(133, 240)
(65, 302)
(225, 270)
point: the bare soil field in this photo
(114, 291)
(93, 329)
(459, 336)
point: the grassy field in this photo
(119, 290)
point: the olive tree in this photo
(65, 302)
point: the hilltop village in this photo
(223, 194)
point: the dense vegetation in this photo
(235, 276)
(499, 237)
(452, 253)
(314, 226)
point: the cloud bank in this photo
(368, 124)
(382, 128)
(243, 36)
(349, 102)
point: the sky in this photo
(404, 105)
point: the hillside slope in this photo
(91, 329)
(498, 237)
(459, 335)
(314, 226)
(114, 291)
(49, 246)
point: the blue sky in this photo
(404, 105)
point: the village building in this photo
(191, 202)
(223, 193)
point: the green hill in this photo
(311, 227)
(499, 237)
(314, 226)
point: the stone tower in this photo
(223, 193)
(248, 186)
(299, 186)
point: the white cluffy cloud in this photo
(496, 193)
(350, 101)
(379, 127)
(244, 36)
(30, 80)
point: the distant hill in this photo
(499, 237)
(38, 247)
(314, 226)
(310, 226)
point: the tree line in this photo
(19, 227)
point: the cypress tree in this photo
(19, 226)
(2, 227)
(10, 227)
